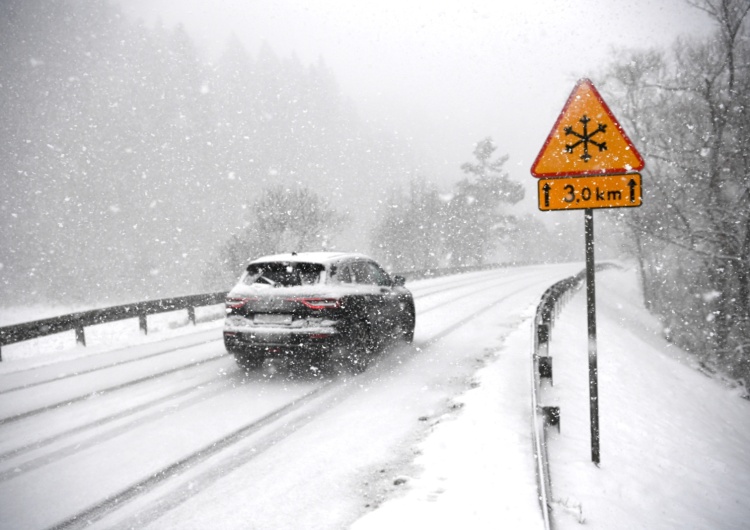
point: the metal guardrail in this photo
(447, 271)
(543, 416)
(550, 305)
(79, 321)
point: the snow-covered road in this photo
(172, 435)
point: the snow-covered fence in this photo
(550, 305)
(79, 321)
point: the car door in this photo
(371, 299)
(392, 296)
(386, 297)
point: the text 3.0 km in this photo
(607, 191)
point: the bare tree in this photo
(282, 219)
(692, 237)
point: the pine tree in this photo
(476, 223)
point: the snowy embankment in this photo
(675, 444)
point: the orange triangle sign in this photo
(586, 140)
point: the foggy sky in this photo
(444, 74)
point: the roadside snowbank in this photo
(675, 444)
(478, 468)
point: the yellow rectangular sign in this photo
(578, 193)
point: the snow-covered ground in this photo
(434, 435)
(675, 444)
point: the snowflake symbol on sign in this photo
(585, 138)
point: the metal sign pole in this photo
(591, 308)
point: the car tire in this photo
(336, 361)
(248, 359)
(362, 347)
(230, 345)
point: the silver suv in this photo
(324, 309)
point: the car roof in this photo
(311, 257)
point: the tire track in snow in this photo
(109, 390)
(442, 290)
(135, 491)
(99, 510)
(79, 446)
(103, 367)
(447, 331)
(197, 484)
(194, 394)
(469, 294)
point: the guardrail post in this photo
(191, 314)
(80, 336)
(143, 323)
(542, 339)
(551, 416)
(545, 368)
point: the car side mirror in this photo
(399, 281)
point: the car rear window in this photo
(283, 274)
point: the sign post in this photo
(591, 313)
(588, 162)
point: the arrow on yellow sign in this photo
(575, 193)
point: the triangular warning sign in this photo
(586, 140)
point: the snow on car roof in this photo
(310, 257)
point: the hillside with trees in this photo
(128, 159)
(689, 108)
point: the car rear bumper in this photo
(283, 343)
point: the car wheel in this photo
(230, 345)
(248, 360)
(362, 347)
(336, 361)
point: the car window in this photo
(369, 273)
(344, 274)
(284, 274)
(379, 275)
(361, 273)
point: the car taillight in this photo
(320, 303)
(235, 302)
